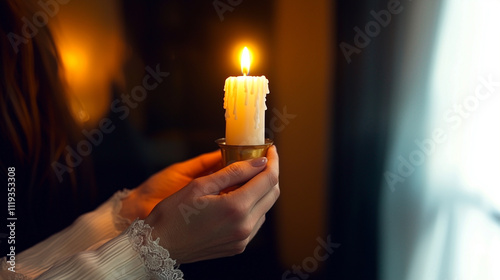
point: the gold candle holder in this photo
(234, 153)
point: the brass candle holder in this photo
(234, 153)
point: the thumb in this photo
(201, 164)
(231, 175)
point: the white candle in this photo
(245, 104)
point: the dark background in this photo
(184, 116)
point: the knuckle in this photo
(237, 211)
(211, 187)
(242, 232)
(272, 178)
(277, 191)
(239, 247)
(261, 221)
(196, 185)
(235, 170)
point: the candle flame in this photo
(245, 61)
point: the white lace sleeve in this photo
(157, 259)
(131, 255)
(96, 247)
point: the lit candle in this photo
(245, 104)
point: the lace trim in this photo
(120, 222)
(156, 258)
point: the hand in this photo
(144, 198)
(198, 223)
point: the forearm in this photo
(132, 206)
(131, 255)
(89, 230)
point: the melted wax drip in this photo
(260, 90)
(235, 92)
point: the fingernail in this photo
(258, 162)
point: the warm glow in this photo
(75, 65)
(245, 61)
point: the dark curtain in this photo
(365, 113)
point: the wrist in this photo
(133, 206)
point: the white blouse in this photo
(98, 245)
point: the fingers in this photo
(222, 225)
(266, 202)
(236, 173)
(272, 153)
(261, 184)
(201, 164)
(259, 224)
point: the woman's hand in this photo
(144, 198)
(198, 223)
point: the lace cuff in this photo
(121, 223)
(156, 259)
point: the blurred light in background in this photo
(75, 73)
(452, 228)
(92, 50)
(465, 90)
